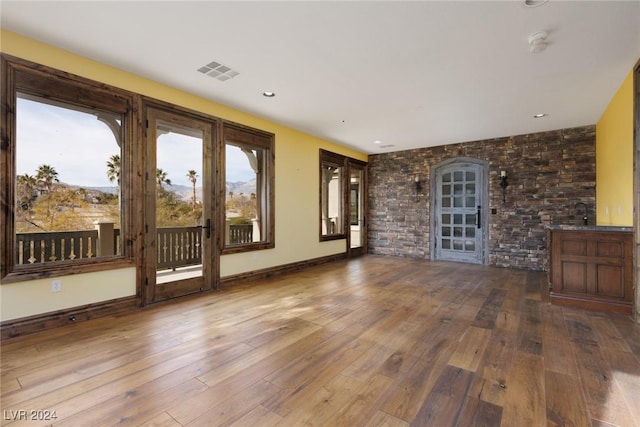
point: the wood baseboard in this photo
(592, 304)
(41, 322)
(229, 281)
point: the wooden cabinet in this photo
(592, 269)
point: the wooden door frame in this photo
(360, 165)
(636, 192)
(211, 269)
(484, 194)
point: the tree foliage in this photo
(241, 208)
(44, 204)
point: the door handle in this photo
(207, 228)
(478, 217)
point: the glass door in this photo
(179, 188)
(357, 236)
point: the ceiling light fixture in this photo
(538, 41)
(534, 3)
(268, 94)
(540, 115)
(377, 142)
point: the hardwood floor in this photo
(373, 341)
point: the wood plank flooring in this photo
(373, 341)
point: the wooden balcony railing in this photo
(176, 246)
(34, 248)
(240, 233)
(179, 247)
(44, 247)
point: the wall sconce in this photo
(418, 185)
(503, 183)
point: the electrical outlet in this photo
(56, 285)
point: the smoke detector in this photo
(538, 41)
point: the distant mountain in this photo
(184, 192)
(245, 188)
(108, 190)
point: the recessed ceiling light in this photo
(540, 115)
(268, 94)
(377, 142)
(534, 3)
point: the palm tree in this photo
(25, 189)
(47, 175)
(161, 178)
(113, 169)
(193, 177)
(28, 183)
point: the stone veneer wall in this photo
(548, 173)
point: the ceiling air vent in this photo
(218, 71)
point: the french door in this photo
(357, 231)
(179, 195)
(459, 222)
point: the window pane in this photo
(470, 202)
(356, 207)
(243, 216)
(332, 204)
(178, 179)
(68, 174)
(247, 189)
(471, 231)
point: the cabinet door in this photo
(612, 267)
(592, 265)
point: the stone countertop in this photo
(565, 227)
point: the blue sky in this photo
(78, 146)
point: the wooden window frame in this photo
(330, 158)
(21, 76)
(237, 134)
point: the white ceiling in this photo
(408, 74)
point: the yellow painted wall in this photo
(296, 190)
(614, 159)
(24, 299)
